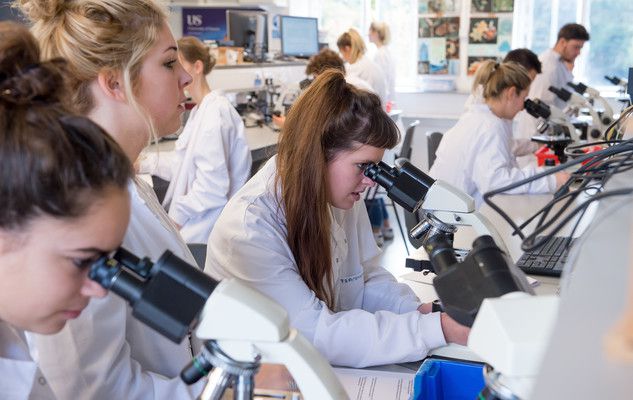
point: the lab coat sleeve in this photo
(159, 163)
(211, 183)
(383, 292)
(495, 167)
(86, 361)
(256, 254)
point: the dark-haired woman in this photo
(298, 232)
(63, 191)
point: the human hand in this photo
(561, 178)
(454, 332)
(279, 120)
(425, 308)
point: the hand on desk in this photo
(561, 178)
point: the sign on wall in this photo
(204, 23)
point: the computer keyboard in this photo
(547, 259)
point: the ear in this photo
(198, 67)
(511, 92)
(111, 84)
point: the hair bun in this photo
(37, 83)
(41, 10)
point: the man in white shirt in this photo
(557, 64)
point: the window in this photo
(608, 23)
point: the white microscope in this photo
(510, 326)
(241, 327)
(577, 102)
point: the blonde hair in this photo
(496, 77)
(352, 39)
(95, 36)
(192, 50)
(382, 30)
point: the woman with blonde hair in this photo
(211, 160)
(298, 233)
(125, 76)
(352, 48)
(476, 154)
(380, 35)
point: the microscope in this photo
(485, 291)
(606, 117)
(555, 130)
(576, 102)
(240, 326)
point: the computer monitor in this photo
(248, 29)
(299, 36)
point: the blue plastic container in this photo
(439, 379)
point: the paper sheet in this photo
(362, 384)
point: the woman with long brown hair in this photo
(297, 232)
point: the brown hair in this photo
(192, 50)
(496, 77)
(329, 117)
(353, 40)
(325, 59)
(525, 57)
(573, 31)
(97, 35)
(49, 158)
(382, 30)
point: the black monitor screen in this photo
(299, 36)
(248, 29)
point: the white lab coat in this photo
(522, 145)
(374, 320)
(475, 156)
(20, 377)
(108, 354)
(385, 60)
(210, 162)
(554, 73)
(367, 70)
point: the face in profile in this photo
(516, 101)
(346, 181)
(571, 49)
(44, 265)
(162, 82)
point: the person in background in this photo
(521, 146)
(127, 78)
(380, 35)
(475, 155)
(320, 62)
(298, 233)
(557, 71)
(352, 48)
(211, 160)
(63, 190)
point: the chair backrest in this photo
(199, 252)
(433, 140)
(405, 150)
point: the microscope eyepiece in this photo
(167, 295)
(561, 93)
(537, 108)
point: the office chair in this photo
(199, 251)
(160, 187)
(433, 140)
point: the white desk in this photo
(261, 141)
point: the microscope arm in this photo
(246, 323)
(455, 207)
